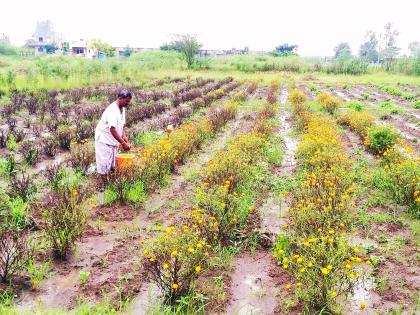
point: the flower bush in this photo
(174, 258)
(358, 122)
(328, 103)
(313, 247)
(65, 214)
(380, 139)
(82, 156)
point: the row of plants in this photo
(66, 207)
(313, 247)
(398, 164)
(177, 255)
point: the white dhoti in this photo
(105, 157)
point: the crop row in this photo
(178, 254)
(314, 248)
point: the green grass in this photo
(64, 72)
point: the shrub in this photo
(4, 136)
(357, 106)
(50, 146)
(15, 213)
(84, 130)
(124, 186)
(328, 103)
(11, 142)
(399, 178)
(65, 135)
(357, 122)
(30, 150)
(416, 104)
(173, 259)
(22, 186)
(82, 156)
(37, 272)
(65, 214)
(380, 138)
(14, 251)
(296, 97)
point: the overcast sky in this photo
(317, 26)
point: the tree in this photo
(102, 46)
(187, 45)
(342, 51)
(414, 49)
(168, 46)
(389, 39)
(369, 49)
(51, 48)
(285, 50)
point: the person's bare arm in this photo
(124, 136)
(117, 137)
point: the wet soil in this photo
(253, 287)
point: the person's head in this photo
(124, 98)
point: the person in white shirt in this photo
(109, 133)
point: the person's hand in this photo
(125, 138)
(125, 146)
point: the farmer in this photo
(109, 133)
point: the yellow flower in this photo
(333, 294)
(302, 269)
(319, 230)
(285, 267)
(175, 286)
(288, 286)
(358, 259)
(191, 250)
(281, 251)
(165, 266)
(342, 225)
(197, 269)
(362, 306)
(356, 250)
(174, 253)
(324, 271)
(285, 260)
(199, 245)
(152, 259)
(299, 260)
(329, 267)
(348, 266)
(331, 232)
(299, 284)
(351, 275)
(310, 264)
(368, 262)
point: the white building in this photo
(44, 36)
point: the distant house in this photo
(79, 48)
(43, 37)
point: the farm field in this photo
(276, 193)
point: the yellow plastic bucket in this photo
(124, 160)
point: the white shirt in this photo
(111, 117)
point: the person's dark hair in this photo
(124, 94)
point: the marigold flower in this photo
(175, 286)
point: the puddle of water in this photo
(272, 213)
(342, 95)
(253, 290)
(363, 293)
(290, 143)
(57, 290)
(363, 242)
(145, 301)
(283, 96)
